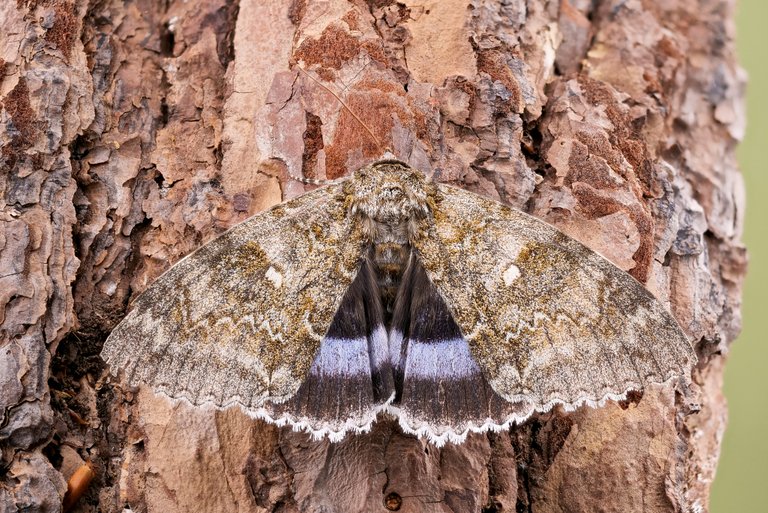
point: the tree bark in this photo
(133, 132)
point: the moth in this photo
(389, 292)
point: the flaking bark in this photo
(134, 132)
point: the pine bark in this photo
(133, 132)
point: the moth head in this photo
(389, 192)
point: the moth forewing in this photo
(547, 319)
(240, 320)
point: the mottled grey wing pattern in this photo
(547, 320)
(240, 320)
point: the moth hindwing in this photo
(389, 292)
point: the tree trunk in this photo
(135, 131)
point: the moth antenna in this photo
(357, 118)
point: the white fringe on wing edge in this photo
(317, 428)
(436, 435)
(439, 436)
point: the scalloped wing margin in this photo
(548, 320)
(240, 320)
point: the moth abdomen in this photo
(389, 260)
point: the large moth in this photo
(389, 292)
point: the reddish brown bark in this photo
(132, 132)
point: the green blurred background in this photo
(741, 485)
